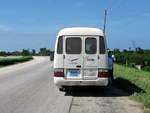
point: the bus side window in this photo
(60, 45)
(102, 48)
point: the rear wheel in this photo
(61, 89)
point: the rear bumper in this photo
(60, 81)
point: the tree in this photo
(139, 50)
(33, 52)
(125, 50)
(44, 52)
(116, 51)
(25, 52)
(15, 53)
(3, 53)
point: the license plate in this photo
(74, 73)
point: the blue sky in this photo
(32, 24)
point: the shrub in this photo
(146, 68)
(132, 58)
(9, 61)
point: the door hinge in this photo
(64, 56)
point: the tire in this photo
(62, 89)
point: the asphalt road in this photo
(29, 88)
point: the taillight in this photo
(103, 73)
(59, 72)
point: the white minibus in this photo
(81, 58)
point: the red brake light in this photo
(103, 74)
(59, 72)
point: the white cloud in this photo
(4, 28)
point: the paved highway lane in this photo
(29, 88)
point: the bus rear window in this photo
(90, 45)
(102, 48)
(60, 45)
(73, 45)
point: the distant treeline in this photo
(27, 52)
(132, 58)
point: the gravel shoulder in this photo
(113, 100)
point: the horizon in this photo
(35, 24)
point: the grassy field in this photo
(2, 66)
(135, 82)
(9, 61)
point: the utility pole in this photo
(105, 19)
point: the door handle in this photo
(78, 66)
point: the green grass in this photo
(9, 61)
(2, 66)
(147, 111)
(135, 82)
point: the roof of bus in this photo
(81, 31)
